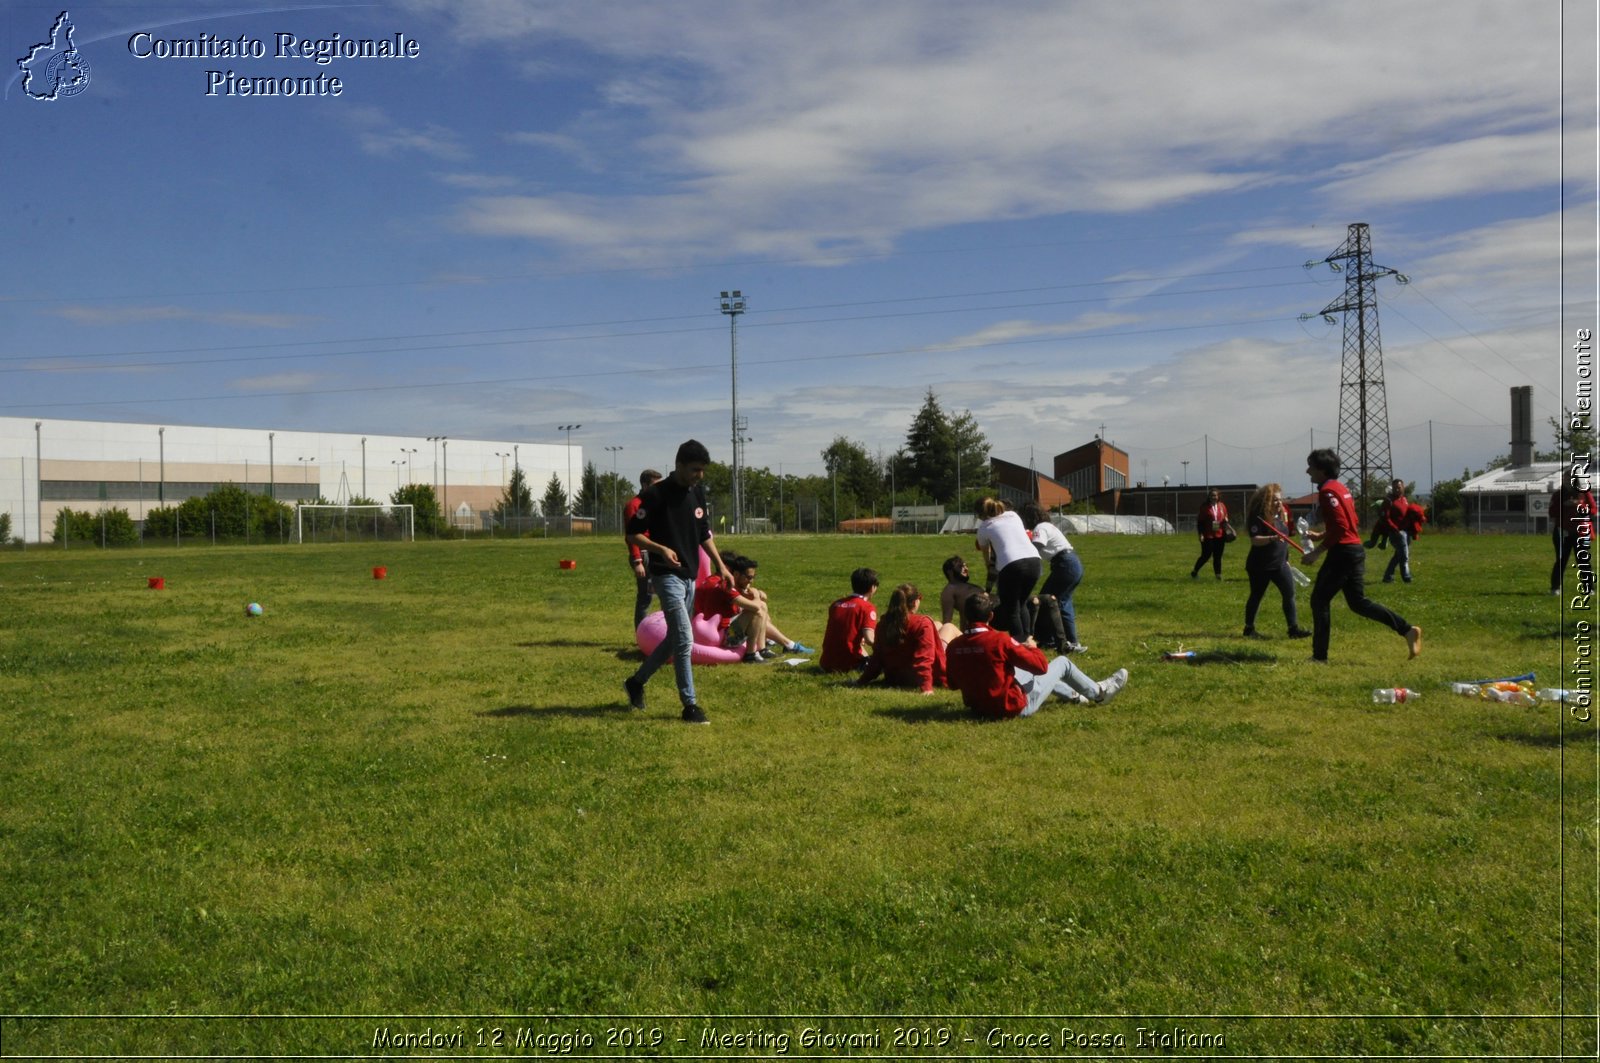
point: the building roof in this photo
(1541, 477)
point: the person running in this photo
(1016, 563)
(670, 526)
(847, 641)
(1267, 564)
(641, 573)
(1002, 678)
(1344, 569)
(1212, 524)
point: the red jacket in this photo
(849, 619)
(1212, 516)
(1341, 527)
(980, 664)
(917, 660)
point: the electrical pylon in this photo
(1363, 403)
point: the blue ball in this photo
(253, 609)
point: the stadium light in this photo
(569, 429)
(408, 451)
(615, 515)
(733, 304)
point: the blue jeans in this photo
(1066, 572)
(676, 594)
(1401, 559)
(1062, 678)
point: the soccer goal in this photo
(315, 523)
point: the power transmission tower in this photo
(1363, 403)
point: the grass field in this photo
(423, 796)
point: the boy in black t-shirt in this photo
(670, 527)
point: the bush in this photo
(109, 527)
(5, 528)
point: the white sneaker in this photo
(1111, 684)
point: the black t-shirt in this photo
(1265, 558)
(674, 517)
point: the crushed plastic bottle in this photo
(1393, 695)
(1553, 694)
(1510, 693)
(1471, 690)
(1180, 655)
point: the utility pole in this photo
(733, 304)
(1363, 402)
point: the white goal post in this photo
(317, 523)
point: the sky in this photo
(1070, 217)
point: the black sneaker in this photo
(1299, 633)
(635, 691)
(695, 714)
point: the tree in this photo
(858, 475)
(943, 456)
(516, 502)
(554, 501)
(428, 518)
(588, 491)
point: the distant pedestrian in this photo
(670, 526)
(1401, 528)
(1212, 525)
(1572, 520)
(641, 572)
(1344, 569)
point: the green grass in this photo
(423, 796)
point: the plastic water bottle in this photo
(1553, 694)
(1179, 655)
(1393, 695)
(1471, 690)
(1514, 696)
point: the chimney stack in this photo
(1522, 426)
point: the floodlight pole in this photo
(733, 304)
(272, 468)
(161, 489)
(569, 429)
(616, 516)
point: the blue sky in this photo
(1059, 215)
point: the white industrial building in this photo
(49, 465)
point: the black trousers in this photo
(1015, 585)
(1210, 548)
(1344, 569)
(1260, 580)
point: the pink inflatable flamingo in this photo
(708, 647)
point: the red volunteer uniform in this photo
(1339, 521)
(849, 619)
(980, 664)
(917, 660)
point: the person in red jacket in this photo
(1001, 677)
(908, 647)
(1212, 524)
(1572, 530)
(1346, 564)
(847, 642)
(643, 591)
(1397, 525)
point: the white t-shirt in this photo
(1009, 539)
(1048, 538)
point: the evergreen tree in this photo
(515, 505)
(588, 500)
(554, 501)
(943, 456)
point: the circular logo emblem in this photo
(67, 73)
(699, 514)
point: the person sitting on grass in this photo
(908, 649)
(847, 642)
(1001, 678)
(958, 588)
(742, 611)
